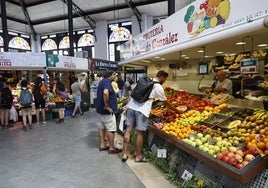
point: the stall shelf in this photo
(240, 176)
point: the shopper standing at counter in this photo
(6, 103)
(106, 106)
(76, 92)
(25, 103)
(40, 100)
(138, 113)
(59, 92)
(223, 84)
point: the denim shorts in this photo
(77, 100)
(136, 118)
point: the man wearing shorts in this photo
(138, 113)
(106, 106)
(76, 91)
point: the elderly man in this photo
(223, 84)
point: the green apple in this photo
(211, 152)
(204, 139)
(216, 149)
(200, 135)
(198, 142)
(205, 149)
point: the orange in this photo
(266, 145)
(261, 145)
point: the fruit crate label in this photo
(161, 153)
(186, 175)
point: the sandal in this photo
(142, 160)
(114, 151)
(103, 149)
(124, 159)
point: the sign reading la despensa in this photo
(100, 64)
(198, 19)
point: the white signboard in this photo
(24, 60)
(67, 62)
(198, 19)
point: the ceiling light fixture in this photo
(183, 55)
(240, 43)
(157, 57)
(145, 61)
(219, 52)
(262, 45)
(200, 51)
(186, 57)
(163, 59)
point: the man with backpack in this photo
(138, 110)
(25, 101)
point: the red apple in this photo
(219, 155)
(224, 151)
(225, 158)
(245, 163)
(230, 154)
(252, 150)
(238, 158)
(232, 161)
(240, 152)
(249, 157)
(239, 165)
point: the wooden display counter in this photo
(242, 176)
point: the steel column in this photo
(171, 7)
(4, 25)
(71, 28)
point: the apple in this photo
(193, 144)
(239, 165)
(249, 157)
(232, 161)
(211, 152)
(230, 154)
(225, 151)
(240, 152)
(204, 139)
(216, 149)
(245, 163)
(205, 149)
(219, 156)
(252, 150)
(200, 135)
(238, 158)
(232, 149)
(198, 142)
(225, 158)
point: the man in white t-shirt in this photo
(223, 85)
(138, 113)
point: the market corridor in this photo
(61, 156)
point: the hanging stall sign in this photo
(100, 64)
(66, 62)
(198, 19)
(22, 60)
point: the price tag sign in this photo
(162, 153)
(186, 175)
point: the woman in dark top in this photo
(6, 103)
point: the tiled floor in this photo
(67, 156)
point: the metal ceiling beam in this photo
(13, 2)
(26, 14)
(98, 11)
(78, 11)
(40, 2)
(135, 11)
(15, 19)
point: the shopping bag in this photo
(122, 122)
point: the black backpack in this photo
(142, 90)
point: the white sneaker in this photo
(44, 123)
(37, 124)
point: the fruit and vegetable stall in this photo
(227, 139)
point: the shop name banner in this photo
(27, 60)
(198, 19)
(66, 62)
(100, 64)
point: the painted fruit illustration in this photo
(223, 9)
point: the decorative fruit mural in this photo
(209, 14)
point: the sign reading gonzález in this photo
(100, 64)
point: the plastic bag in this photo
(122, 122)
